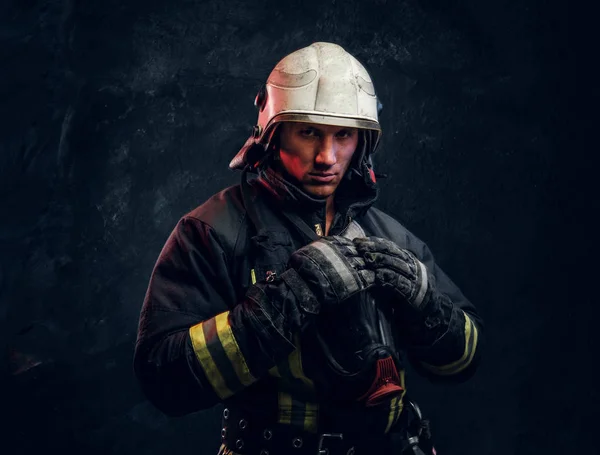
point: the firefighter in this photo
(289, 298)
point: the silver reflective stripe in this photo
(341, 268)
(353, 231)
(421, 294)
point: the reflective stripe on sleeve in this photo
(220, 356)
(471, 335)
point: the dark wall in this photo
(120, 116)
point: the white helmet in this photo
(322, 84)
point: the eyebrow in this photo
(341, 128)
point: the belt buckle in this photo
(325, 451)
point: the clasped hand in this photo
(337, 268)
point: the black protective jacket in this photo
(193, 350)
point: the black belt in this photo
(247, 436)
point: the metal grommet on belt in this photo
(267, 434)
(350, 451)
(223, 433)
(297, 443)
(243, 424)
(239, 444)
(225, 413)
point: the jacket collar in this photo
(353, 197)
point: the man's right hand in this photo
(323, 273)
(327, 272)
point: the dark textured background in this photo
(120, 116)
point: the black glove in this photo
(322, 273)
(421, 311)
(397, 270)
(330, 270)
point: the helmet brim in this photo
(322, 119)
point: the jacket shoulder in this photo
(378, 223)
(223, 214)
(383, 224)
(221, 208)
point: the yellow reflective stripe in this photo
(392, 413)
(285, 408)
(471, 336)
(208, 364)
(296, 392)
(310, 409)
(297, 413)
(253, 276)
(274, 371)
(310, 417)
(220, 356)
(232, 349)
(468, 327)
(400, 408)
(295, 361)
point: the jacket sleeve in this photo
(449, 331)
(193, 349)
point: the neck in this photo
(329, 213)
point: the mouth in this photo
(322, 177)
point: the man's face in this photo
(317, 156)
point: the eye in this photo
(308, 132)
(345, 134)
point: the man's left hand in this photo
(396, 269)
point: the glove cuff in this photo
(305, 297)
(419, 300)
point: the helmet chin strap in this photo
(361, 161)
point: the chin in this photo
(319, 191)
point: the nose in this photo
(326, 154)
